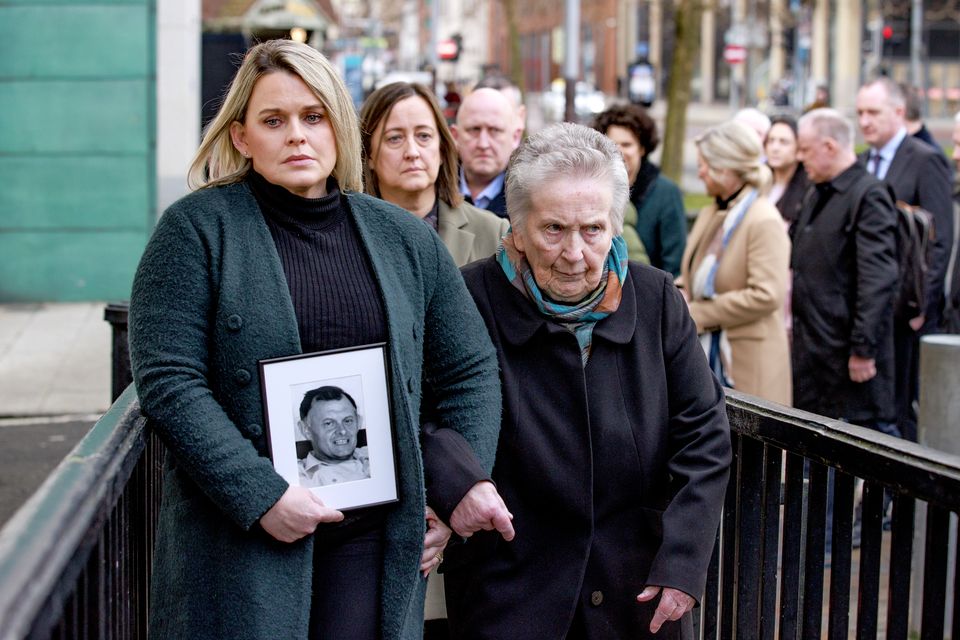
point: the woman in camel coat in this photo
(735, 267)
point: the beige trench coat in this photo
(751, 285)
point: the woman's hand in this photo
(438, 534)
(296, 514)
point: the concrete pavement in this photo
(54, 359)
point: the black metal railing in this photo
(75, 559)
(120, 375)
(770, 568)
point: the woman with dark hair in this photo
(410, 159)
(276, 254)
(790, 181)
(661, 220)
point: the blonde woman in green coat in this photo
(278, 254)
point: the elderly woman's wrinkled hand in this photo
(438, 534)
(296, 514)
(673, 604)
(482, 509)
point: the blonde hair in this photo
(218, 162)
(734, 146)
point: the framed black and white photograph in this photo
(329, 426)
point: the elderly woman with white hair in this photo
(614, 448)
(735, 268)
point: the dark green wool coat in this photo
(209, 300)
(662, 225)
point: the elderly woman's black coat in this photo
(615, 474)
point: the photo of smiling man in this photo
(330, 421)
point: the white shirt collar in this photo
(888, 150)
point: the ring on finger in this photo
(439, 557)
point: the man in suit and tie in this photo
(919, 175)
(486, 133)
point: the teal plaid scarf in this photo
(579, 318)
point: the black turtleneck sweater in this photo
(334, 294)
(335, 297)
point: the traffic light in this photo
(449, 49)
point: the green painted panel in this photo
(77, 145)
(75, 266)
(100, 41)
(71, 3)
(74, 117)
(91, 193)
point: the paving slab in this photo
(54, 359)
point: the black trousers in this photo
(346, 585)
(906, 372)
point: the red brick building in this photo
(540, 26)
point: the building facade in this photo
(78, 150)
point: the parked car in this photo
(587, 101)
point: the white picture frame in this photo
(329, 426)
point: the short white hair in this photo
(755, 119)
(565, 151)
(829, 123)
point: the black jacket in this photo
(615, 474)
(844, 275)
(789, 203)
(499, 204)
(950, 322)
(920, 175)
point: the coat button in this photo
(242, 377)
(254, 430)
(234, 322)
(596, 598)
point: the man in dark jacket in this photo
(950, 322)
(913, 116)
(919, 175)
(844, 271)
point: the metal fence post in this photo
(121, 377)
(938, 427)
(939, 420)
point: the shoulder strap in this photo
(862, 188)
